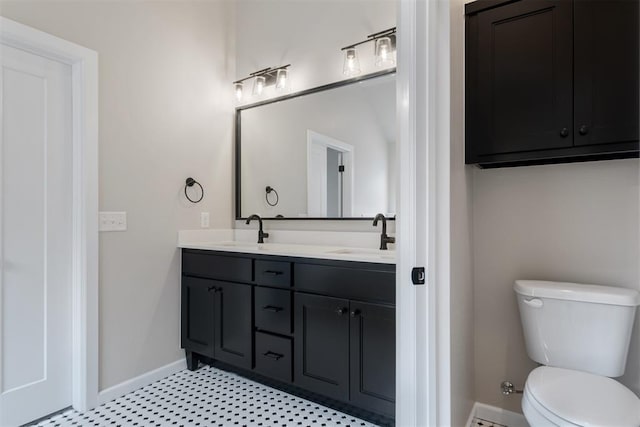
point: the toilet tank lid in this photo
(577, 292)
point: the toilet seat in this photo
(563, 397)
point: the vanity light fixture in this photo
(238, 86)
(351, 64)
(282, 79)
(258, 85)
(278, 77)
(384, 51)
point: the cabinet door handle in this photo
(212, 288)
(271, 354)
(272, 308)
(564, 132)
(355, 313)
(341, 310)
(584, 129)
(273, 272)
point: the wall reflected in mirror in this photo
(330, 153)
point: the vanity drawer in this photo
(214, 266)
(273, 273)
(273, 357)
(364, 282)
(272, 310)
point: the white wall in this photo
(308, 35)
(568, 222)
(165, 114)
(462, 289)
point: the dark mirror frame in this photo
(238, 142)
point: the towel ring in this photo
(268, 191)
(190, 183)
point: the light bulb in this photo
(351, 63)
(282, 79)
(384, 52)
(258, 85)
(238, 88)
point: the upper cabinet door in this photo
(606, 71)
(523, 91)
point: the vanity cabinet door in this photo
(373, 357)
(322, 345)
(198, 304)
(233, 326)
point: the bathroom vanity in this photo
(318, 326)
(315, 321)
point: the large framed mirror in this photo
(324, 153)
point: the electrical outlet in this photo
(112, 221)
(204, 219)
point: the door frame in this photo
(348, 151)
(423, 354)
(84, 88)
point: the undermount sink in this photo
(241, 245)
(364, 252)
(237, 244)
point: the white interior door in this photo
(35, 236)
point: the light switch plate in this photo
(112, 221)
(204, 219)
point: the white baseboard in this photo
(118, 390)
(497, 415)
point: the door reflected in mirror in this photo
(329, 152)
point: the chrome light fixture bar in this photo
(278, 77)
(384, 51)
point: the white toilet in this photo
(581, 334)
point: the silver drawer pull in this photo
(271, 354)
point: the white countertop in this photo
(224, 241)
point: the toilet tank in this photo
(574, 326)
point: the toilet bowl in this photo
(581, 335)
(564, 397)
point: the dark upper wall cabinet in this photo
(550, 81)
(606, 78)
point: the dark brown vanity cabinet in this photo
(322, 344)
(216, 314)
(322, 326)
(198, 305)
(551, 81)
(358, 364)
(372, 360)
(232, 324)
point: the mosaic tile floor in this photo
(206, 397)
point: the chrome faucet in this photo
(384, 238)
(261, 234)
